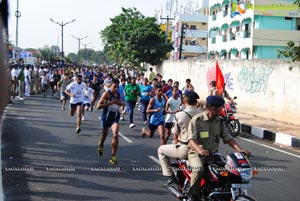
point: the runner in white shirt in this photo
(172, 107)
(88, 94)
(75, 91)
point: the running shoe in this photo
(78, 130)
(100, 149)
(113, 160)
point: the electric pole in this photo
(181, 39)
(167, 26)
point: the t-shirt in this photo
(145, 91)
(88, 95)
(129, 95)
(78, 90)
(174, 106)
(27, 75)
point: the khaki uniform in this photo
(207, 134)
(181, 149)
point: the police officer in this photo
(181, 148)
(204, 133)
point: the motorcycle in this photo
(231, 122)
(224, 180)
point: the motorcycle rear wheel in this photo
(244, 198)
(234, 127)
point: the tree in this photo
(133, 38)
(297, 2)
(291, 51)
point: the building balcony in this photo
(213, 40)
(214, 17)
(194, 49)
(243, 34)
(224, 38)
(232, 36)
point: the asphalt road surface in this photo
(43, 159)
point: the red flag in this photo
(219, 79)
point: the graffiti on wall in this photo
(254, 80)
(228, 81)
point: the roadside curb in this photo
(276, 137)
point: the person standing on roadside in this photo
(27, 81)
(110, 102)
(151, 75)
(21, 78)
(132, 91)
(75, 91)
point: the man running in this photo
(75, 91)
(110, 102)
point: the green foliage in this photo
(297, 2)
(89, 55)
(291, 51)
(133, 38)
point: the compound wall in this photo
(265, 88)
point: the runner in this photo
(75, 91)
(156, 108)
(87, 99)
(110, 102)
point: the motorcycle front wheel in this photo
(244, 198)
(234, 127)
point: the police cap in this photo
(191, 95)
(215, 101)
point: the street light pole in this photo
(62, 24)
(79, 39)
(85, 60)
(18, 15)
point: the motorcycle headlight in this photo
(246, 174)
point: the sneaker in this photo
(82, 118)
(122, 118)
(143, 132)
(92, 109)
(113, 160)
(78, 130)
(62, 108)
(146, 122)
(21, 98)
(132, 125)
(100, 149)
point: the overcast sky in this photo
(36, 30)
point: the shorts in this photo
(64, 96)
(153, 127)
(169, 125)
(74, 105)
(106, 123)
(86, 105)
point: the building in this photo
(250, 29)
(190, 35)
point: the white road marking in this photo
(275, 149)
(154, 159)
(125, 138)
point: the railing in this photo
(224, 39)
(213, 40)
(214, 17)
(232, 36)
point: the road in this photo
(43, 159)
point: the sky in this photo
(91, 16)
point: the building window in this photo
(203, 23)
(193, 27)
(288, 18)
(186, 42)
(203, 38)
